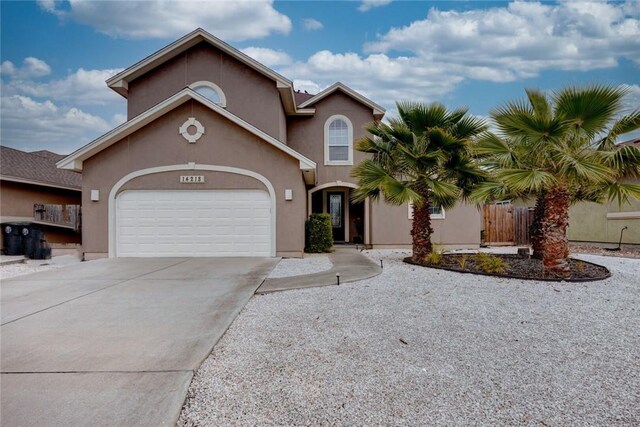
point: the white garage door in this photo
(193, 223)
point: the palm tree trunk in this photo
(535, 231)
(555, 244)
(421, 231)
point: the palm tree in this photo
(560, 150)
(420, 157)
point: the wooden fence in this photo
(64, 215)
(506, 224)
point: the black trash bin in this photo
(35, 245)
(30, 238)
(12, 239)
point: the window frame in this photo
(223, 99)
(327, 123)
(441, 215)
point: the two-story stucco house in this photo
(220, 156)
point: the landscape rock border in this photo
(408, 260)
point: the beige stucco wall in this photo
(249, 94)
(306, 134)
(17, 199)
(223, 144)
(588, 223)
(391, 226)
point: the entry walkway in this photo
(347, 261)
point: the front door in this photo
(335, 207)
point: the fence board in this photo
(501, 223)
(65, 215)
(523, 219)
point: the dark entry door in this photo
(335, 207)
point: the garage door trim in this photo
(192, 166)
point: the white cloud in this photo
(268, 57)
(118, 119)
(307, 85)
(84, 87)
(366, 5)
(237, 20)
(521, 40)
(8, 68)
(311, 24)
(379, 77)
(31, 68)
(32, 125)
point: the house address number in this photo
(191, 179)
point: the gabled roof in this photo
(120, 82)
(37, 168)
(74, 160)
(378, 111)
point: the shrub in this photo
(462, 261)
(434, 257)
(318, 233)
(490, 263)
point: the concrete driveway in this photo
(115, 342)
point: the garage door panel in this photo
(193, 223)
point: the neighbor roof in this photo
(38, 168)
(74, 160)
(635, 142)
(378, 111)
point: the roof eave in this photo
(75, 160)
(38, 182)
(119, 81)
(378, 111)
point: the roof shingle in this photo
(39, 166)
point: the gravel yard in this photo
(35, 266)
(417, 346)
(311, 263)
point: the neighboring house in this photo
(34, 192)
(592, 222)
(220, 156)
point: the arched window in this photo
(211, 91)
(338, 141)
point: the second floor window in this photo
(211, 91)
(338, 135)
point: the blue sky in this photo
(56, 55)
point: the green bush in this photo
(434, 257)
(318, 234)
(490, 263)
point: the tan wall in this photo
(17, 199)
(223, 144)
(249, 94)
(588, 223)
(306, 135)
(391, 226)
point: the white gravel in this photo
(418, 346)
(34, 266)
(311, 263)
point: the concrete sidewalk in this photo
(347, 261)
(115, 342)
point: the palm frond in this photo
(539, 104)
(588, 109)
(526, 180)
(622, 192)
(491, 191)
(625, 124)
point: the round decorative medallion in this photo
(191, 137)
